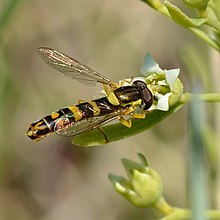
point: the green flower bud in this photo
(144, 186)
(176, 93)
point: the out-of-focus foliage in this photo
(53, 178)
(207, 15)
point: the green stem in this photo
(205, 97)
(163, 206)
(179, 214)
(203, 13)
(157, 5)
(201, 34)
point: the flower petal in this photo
(150, 66)
(171, 76)
(163, 102)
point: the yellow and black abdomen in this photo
(70, 115)
(43, 127)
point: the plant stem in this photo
(186, 214)
(205, 97)
(163, 206)
(201, 34)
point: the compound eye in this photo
(140, 84)
(147, 98)
(146, 95)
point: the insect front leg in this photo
(137, 112)
(131, 112)
(127, 122)
(140, 115)
(125, 82)
(80, 101)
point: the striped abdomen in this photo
(45, 126)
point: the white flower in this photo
(164, 84)
(150, 66)
(171, 76)
(156, 78)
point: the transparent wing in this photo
(71, 67)
(65, 127)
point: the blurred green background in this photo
(53, 179)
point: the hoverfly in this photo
(120, 100)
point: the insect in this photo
(121, 100)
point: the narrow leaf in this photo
(181, 18)
(115, 132)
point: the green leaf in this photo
(115, 132)
(215, 6)
(157, 5)
(198, 4)
(181, 18)
(153, 3)
(143, 159)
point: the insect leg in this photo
(126, 81)
(140, 115)
(125, 122)
(80, 101)
(104, 134)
